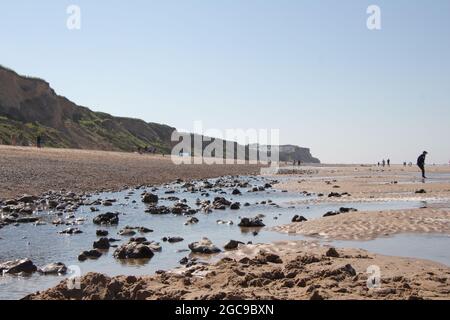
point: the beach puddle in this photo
(43, 244)
(405, 179)
(423, 246)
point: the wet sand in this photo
(285, 270)
(26, 170)
(370, 225)
(371, 182)
(303, 269)
(375, 184)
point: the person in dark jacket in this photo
(421, 163)
(38, 141)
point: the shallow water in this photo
(408, 178)
(424, 246)
(43, 244)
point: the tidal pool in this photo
(43, 244)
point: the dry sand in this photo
(25, 170)
(285, 270)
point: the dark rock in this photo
(235, 206)
(265, 257)
(101, 233)
(134, 250)
(182, 208)
(107, 218)
(316, 296)
(26, 210)
(71, 231)
(331, 213)
(27, 198)
(89, 254)
(144, 230)
(17, 266)
(53, 268)
(298, 218)
(332, 253)
(204, 246)
(232, 244)
(251, 222)
(236, 192)
(191, 220)
(334, 194)
(349, 269)
(11, 202)
(341, 210)
(421, 191)
(127, 232)
(149, 198)
(174, 239)
(220, 202)
(102, 243)
(27, 220)
(158, 210)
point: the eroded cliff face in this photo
(291, 153)
(30, 107)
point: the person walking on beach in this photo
(389, 162)
(421, 163)
(38, 141)
(383, 163)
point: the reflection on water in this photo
(43, 244)
(425, 246)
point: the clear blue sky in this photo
(309, 68)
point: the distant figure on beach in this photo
(38, 141)
(378, 164)
(389, 162)
(383, 163)
(404, 164)
(299, 162)
(421, 163)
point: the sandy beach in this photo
(367, 182)
(373, 184)
(232, 150)
(370, 225)
(27, 170)
(307, 269)
(286, 270)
